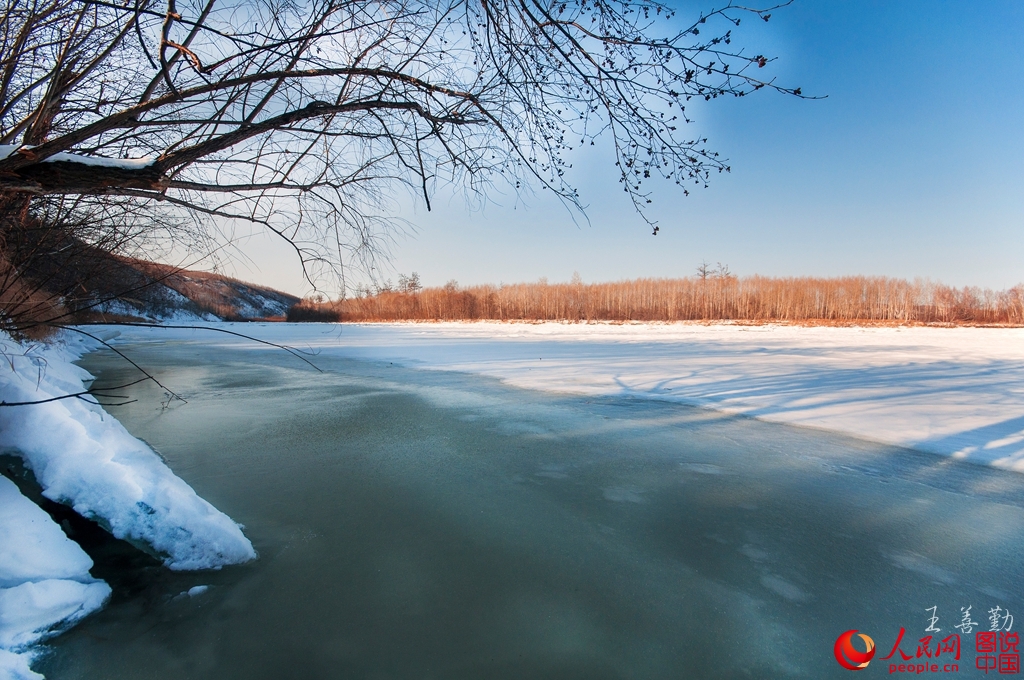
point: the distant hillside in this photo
(135, 289)
(50, 276)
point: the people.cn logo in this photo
(848, 657)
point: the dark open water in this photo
(415, 524)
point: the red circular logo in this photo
(850, 658)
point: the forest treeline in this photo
(750, 298)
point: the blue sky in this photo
(913, 166)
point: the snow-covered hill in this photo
(159, 292)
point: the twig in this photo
(121, 354)
(80, 395)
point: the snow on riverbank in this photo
(952, 391)
(45, 583)
(83, 457)
(16, 666)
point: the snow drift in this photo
(84, 458)
(45, 585)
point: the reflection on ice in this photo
(621, 495)
(703, 468)
(781, 586)
(922, 565)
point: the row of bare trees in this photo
(723, 297)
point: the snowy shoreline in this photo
(84, 458)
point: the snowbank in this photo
(34, 547)
(45, 585)
(15, 667)
(952, 391)
(86, 459)
(29, 612)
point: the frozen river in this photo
(432, 524)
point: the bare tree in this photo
(308, 117)
(409, 284)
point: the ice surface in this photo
(83, 457)
(421, 519)
(952, 391)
